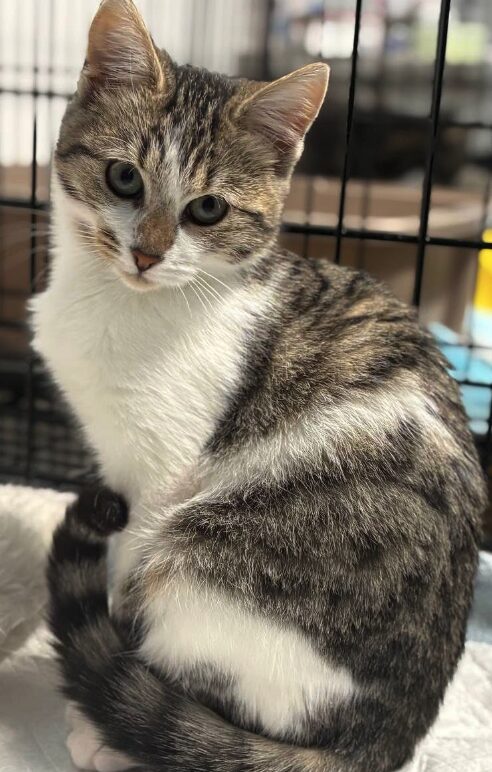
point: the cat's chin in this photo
(138, 282)
(142, 283)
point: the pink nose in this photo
(144, 261)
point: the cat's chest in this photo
(147, 388)
(150, 422)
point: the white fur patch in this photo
(278, 675)
(325, 432)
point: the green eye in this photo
(207, 210)
(124, 179)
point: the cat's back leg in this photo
(87, 749)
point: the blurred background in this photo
(395, 178)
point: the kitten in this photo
(291, 591)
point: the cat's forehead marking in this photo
(166, 168)
(176, 157)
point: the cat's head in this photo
(169, 170)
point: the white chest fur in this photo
(148, 375)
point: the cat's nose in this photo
(144, 261)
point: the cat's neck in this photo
(148, 375)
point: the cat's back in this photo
(360, 385)
(351, 337)
(363, 335)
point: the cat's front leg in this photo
(87, 749)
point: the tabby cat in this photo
(292, 586)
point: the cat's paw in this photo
(87, 750)
(100, 510)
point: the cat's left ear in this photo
(120, 50)
(284, 110)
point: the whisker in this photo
(206, 297)
(193, 288)
(211, 291)
(186, 300)
(200, 270)
(211, 298)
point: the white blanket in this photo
(32, 731)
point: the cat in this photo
(290, 592)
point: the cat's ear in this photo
(284, 110)
(121, 51)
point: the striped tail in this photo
(137, 712)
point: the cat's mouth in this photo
(146, 282)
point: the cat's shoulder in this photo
(346, 327)
(320, 291)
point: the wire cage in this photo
(395, 178)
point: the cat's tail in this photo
(137, 712)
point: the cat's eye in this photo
(124, 179)
(207, 210)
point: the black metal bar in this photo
(33, 262)
(476, 384)
(309, 198)
(37, 93)
(488, 441)
(386, 236)
(440, 63)
(348, 136)
(482, 227)
(12, 324)
(23, 203)
(486, 201)
(455, 124)
(464, 344)
(308, 206)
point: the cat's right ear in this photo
(284, 110)
(121, 51)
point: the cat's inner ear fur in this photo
(284, 110)
(121, 51)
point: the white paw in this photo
(87, 750)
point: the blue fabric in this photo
(468, 364)
(480, 622)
